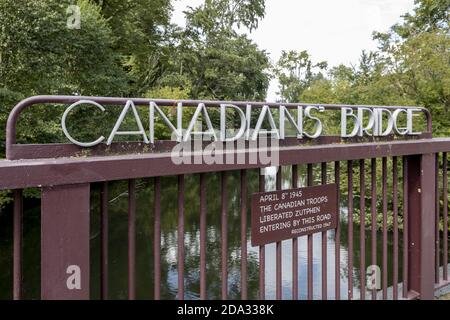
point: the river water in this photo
(144, 244)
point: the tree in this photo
(411, 67)
(428, 16)
(296, 72)
(223, 16)
(212, 59)
(41, 55)
(143, 38)
(416, 59)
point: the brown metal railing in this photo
(440, 246)
(441, 234)
(414, 184)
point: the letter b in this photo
(348, 112)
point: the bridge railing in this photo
(413, 196)
(421, 199)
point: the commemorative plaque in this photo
(291, 213)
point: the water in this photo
(144, 244)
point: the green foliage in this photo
(229, 68)
(213, 60)
(46, 57)
(428, 16)
(162, 131)
(221, 16)
(143, 38)
(296, 72)
(5, 198)
(411, 67)
(123, 48)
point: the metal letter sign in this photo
(291, 213)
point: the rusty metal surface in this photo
(262, 251)
(65, 225)
(279, 253)
(60, 150)
(224, 234)
(46, 172)
(385, 226)
(244, 277)
(421, 220)
(445, 213)
(373, 216)
(310, 242)
(104, 228)
(180, 238)
(362, 227)
(437, 234)
(295, 243)
(350, 229)
(157, 240)
(337, 236)
(405, 227)
(395, 227)
(323, 169)
(131, 239)
(17, 244)
(202, 236)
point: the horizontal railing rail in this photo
(46, 172)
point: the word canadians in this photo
(357, 121)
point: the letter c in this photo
(63, 123)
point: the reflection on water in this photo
(144, 244)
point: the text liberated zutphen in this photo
(286, 214)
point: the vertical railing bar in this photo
(278, 267)
(104, 241)
(180, 240)
(395, 226)
(436, 225)
(17, 244)
(373, 195)
(224, 229)
(294, 244)
(244, 294)
(405, 227)
(445, 213)
(362, 226)
(350, 228)
(262, 250)
(337, 235)
(310, 243)
(324, 242)
(131, 238)
(385, 234)
(421, 225)
(157, 235)
(202, 237)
